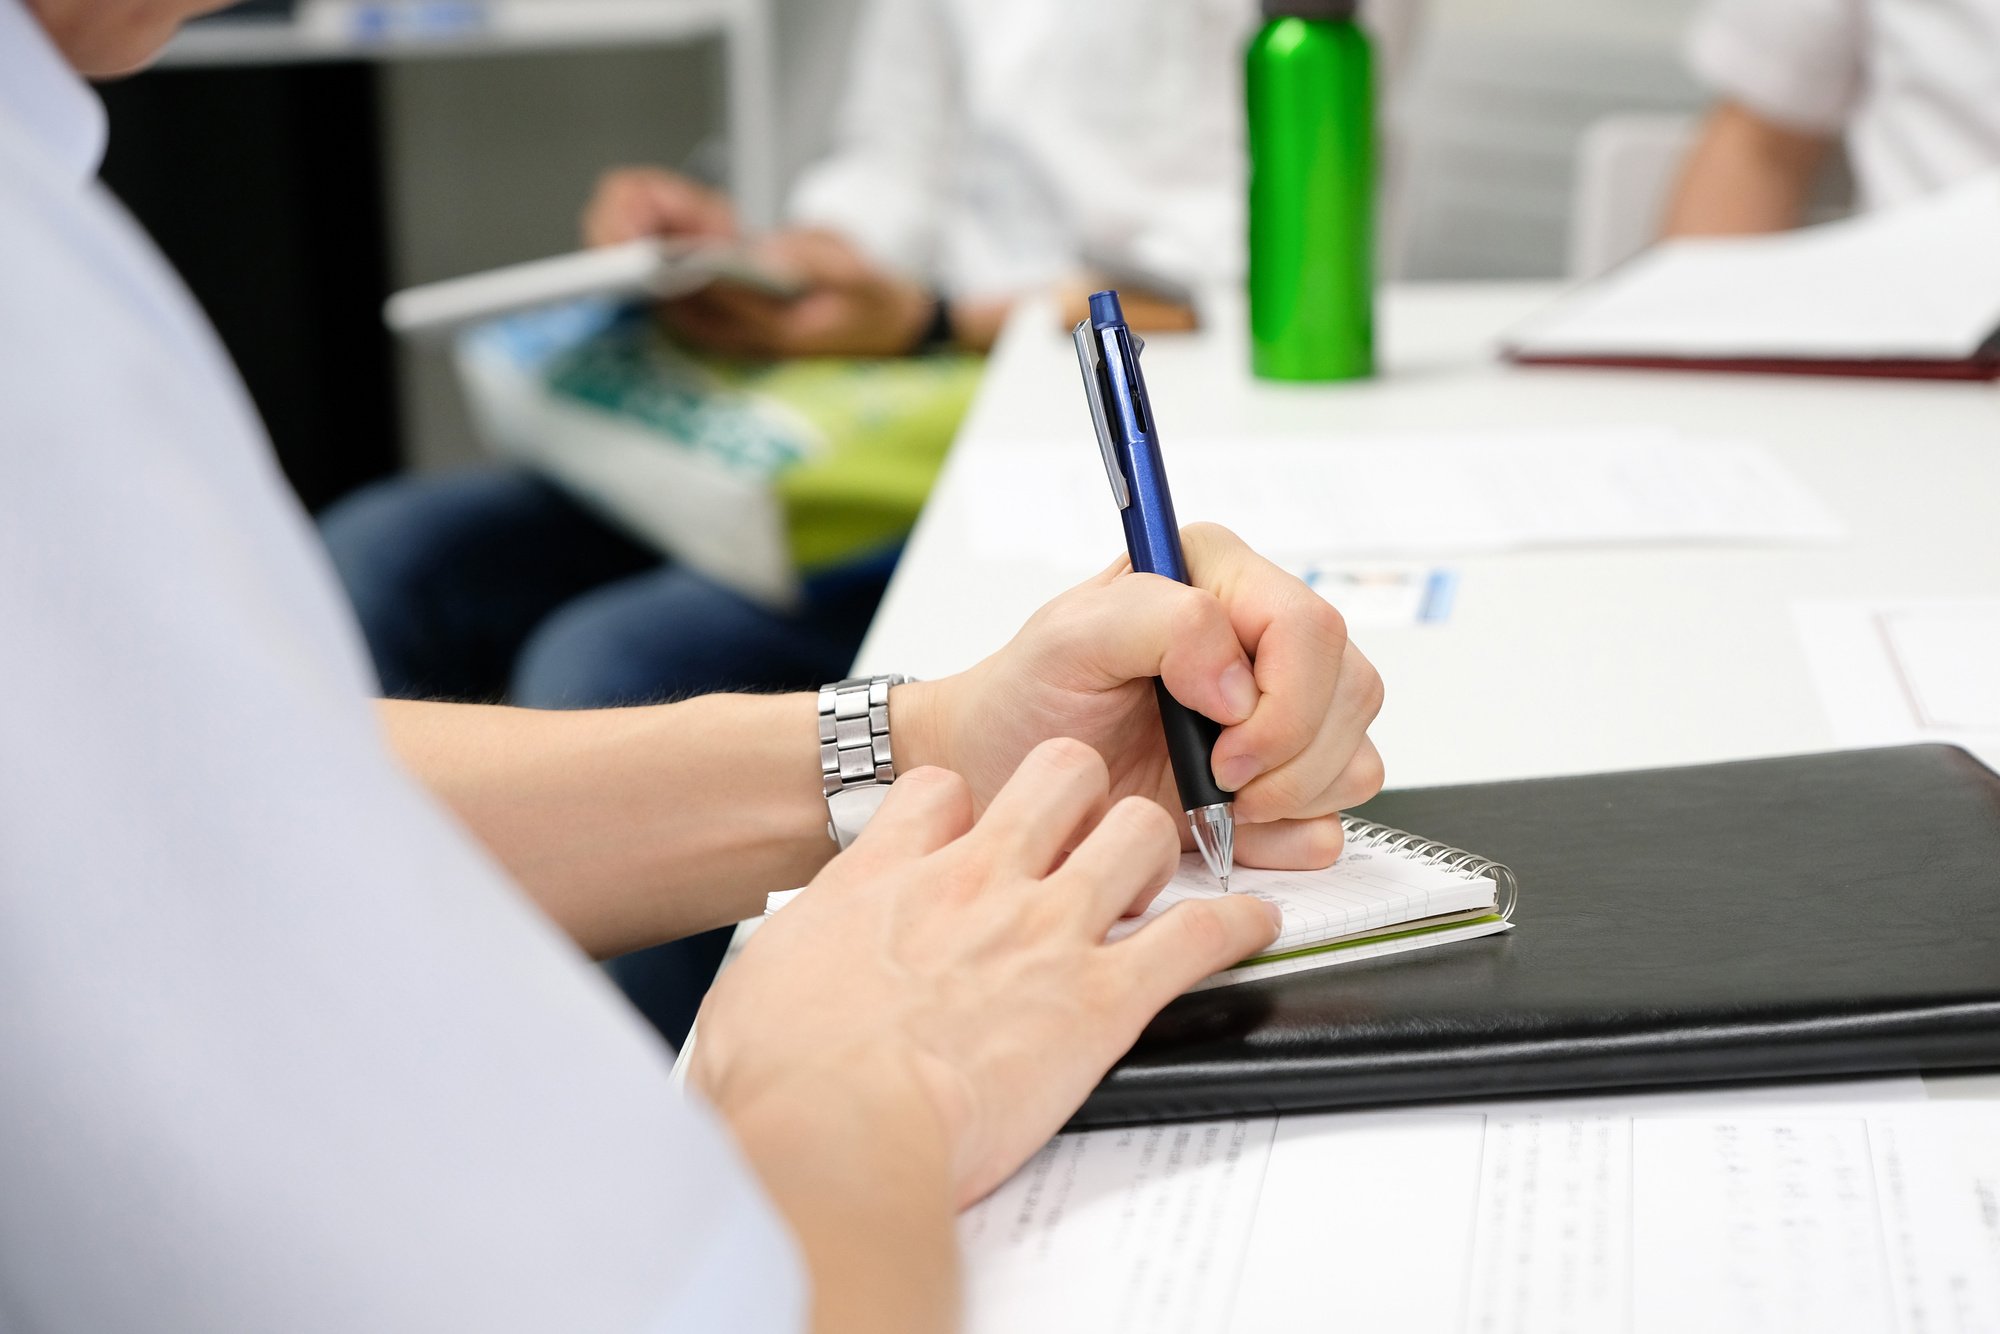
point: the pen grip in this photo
(1191, 741)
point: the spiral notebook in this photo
(1390, 892)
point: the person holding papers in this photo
(1910, 87)
(296, 1014)
(976, 161)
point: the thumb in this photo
(1137, 626)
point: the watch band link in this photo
(854, 733)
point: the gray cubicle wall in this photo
(1486, 125)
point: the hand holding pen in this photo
(1294, 760)
(1108, 353)
(1253, 653)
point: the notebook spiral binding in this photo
(1387, 838)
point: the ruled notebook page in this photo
(1375, 902)
(1368, 889)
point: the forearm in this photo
(1745, 175)
(632, 826)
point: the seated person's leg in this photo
(672, 632)
(450, 574)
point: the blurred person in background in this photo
(983, 153)
(1911, 88)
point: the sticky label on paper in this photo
(1379, 595)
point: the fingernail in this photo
(1239, 690)
(1275, 913)
(1235, 771)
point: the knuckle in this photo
(1197, 617)
(937, 798)
(1297, 730)
(1073, 758)
(1041, 917)
(1149, 821)
(932, 781)
(1284, 792)
(957, 878)
(1368, 773)
(923, 776)
(1063, 619)
(1203, 934)
(1114, 991)
(1210, 538)
(1324, 839)
(1322, 618)
(1365, 683)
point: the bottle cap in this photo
(1335, 11)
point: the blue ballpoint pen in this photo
(1129, 437)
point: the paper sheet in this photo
(1540, 1216)
(1918, 281)
(1154, 1221)
(1895, 671)
(1305, 499)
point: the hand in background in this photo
(635, 202)
(1249, 645)
(1145, 312)
(949, 977)
(850, 306)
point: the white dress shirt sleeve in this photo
(282, 1048)
(886, 183)
(1796, 62)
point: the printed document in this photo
(1829, 1208)
(1891, 671)
(1399, 496)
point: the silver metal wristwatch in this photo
(856, 765)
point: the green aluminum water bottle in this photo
(1309, 82)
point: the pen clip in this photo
(1089, 359)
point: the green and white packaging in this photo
(758, 474)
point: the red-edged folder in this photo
(1984, 365)
(1909, 292)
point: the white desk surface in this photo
(1552, 662)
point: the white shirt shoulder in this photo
(1912, 86)
(994, 148)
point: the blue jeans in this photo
(490, 585)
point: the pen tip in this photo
(1214, 829)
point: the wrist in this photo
(746, 762)
(861, 1169)
(917, 725)
(933, 327)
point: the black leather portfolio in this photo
(1823, 915)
